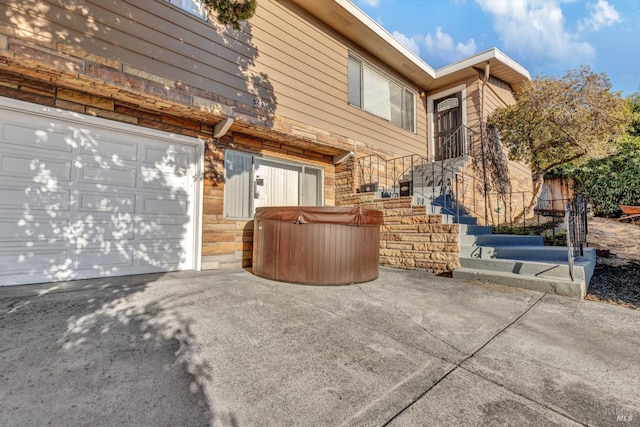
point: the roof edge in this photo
(493, 53)
(386, 36)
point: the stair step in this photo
(551, 285)
(475, 229)
(555, 254)
(463, 219)
(527, 268)
(501, 240)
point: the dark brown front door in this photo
(448, 118)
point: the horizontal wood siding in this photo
(287, 63)
(307, 64)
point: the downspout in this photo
(482, 140)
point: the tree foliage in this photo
(560, 120)
(610, 182)
(231, 12)
(614, 180)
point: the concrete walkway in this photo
(230, 349)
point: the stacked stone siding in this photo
(410, 238)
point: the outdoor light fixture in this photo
(341, 159)
(222, 127)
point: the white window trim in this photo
(253, 178)
(430, 117)
(388, 77)
(179, 5)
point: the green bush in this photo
(612, 181)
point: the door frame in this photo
(431, 117)
(53, 113)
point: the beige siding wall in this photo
(285, 65)
(307, 66)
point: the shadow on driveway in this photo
(91, 356)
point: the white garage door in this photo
(82, 197)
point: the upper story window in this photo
(195, 7)
(374, 92)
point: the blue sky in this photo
(548, 37)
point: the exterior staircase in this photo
(510, 260)
(522, 262)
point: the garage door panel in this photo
(167, 205)
(113, 175)
(31, 260)
(168, 253)
(174, 157)
(156, 228)
(161, 178)
(41, 135)
(37, 169)
(108, 145)
(105, 258)
(34, 199)
(111, 202)
(19, 229)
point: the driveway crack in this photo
(459, 364)
(399, 310)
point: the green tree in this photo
(634, 102)
(231, 12)
(610, 182)
(614, 180)
(556, 121)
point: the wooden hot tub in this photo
(317, 245)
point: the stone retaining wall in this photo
(410, 238)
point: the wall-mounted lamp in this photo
(422, 93)
(343, 158)
(222, 127)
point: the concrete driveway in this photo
(230, 349)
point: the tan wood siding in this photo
(313, 96)
(288, 58)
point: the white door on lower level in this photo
(82, 197)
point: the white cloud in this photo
(467, 49)
(602, 15)
(409, 42)
(537, 30)
(442, 46)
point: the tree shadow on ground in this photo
(117, 354)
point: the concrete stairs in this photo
(522, 262)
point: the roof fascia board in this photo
(376, 28)
(481, 58)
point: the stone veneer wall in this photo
(410, 238)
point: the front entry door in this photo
(448, 141)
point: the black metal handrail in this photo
(577, 230)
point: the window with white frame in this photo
(252, 182)
(195, 7)
(372, 91)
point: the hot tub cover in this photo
(355, 216)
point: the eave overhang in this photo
(345, 18)
(349, 21)
(500, 66)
